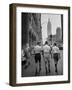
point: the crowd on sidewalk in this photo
(46, 50)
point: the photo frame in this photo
(32, 24)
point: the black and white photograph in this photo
(41, 44)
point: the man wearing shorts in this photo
(46, 50)
(56, 54)
(37, 51)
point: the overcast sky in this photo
(55, 22)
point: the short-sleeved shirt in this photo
(46, 49)
(55, 49)
(37, 49)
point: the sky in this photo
(55, 22)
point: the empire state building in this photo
(49, 32)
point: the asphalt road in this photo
(29, 71)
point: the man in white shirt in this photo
(56, 55)
(37, 51)
(46, 51)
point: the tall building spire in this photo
(49, 27)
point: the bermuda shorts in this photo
(46, 57)
(37, 57)
(55, 56)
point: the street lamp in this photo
(51, 38)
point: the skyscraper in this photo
(58, 34)
(31, 28)
(49, 32)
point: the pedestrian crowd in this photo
(38, 51)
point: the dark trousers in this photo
(38, 59)
(55, 56)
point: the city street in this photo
(30, 70)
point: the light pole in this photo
(51, 38)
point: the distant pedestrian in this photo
(56, 55)
(37, 51)
(27, 51)
(46, 50)
(27, 55)
(23, 58)
(51, 50)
